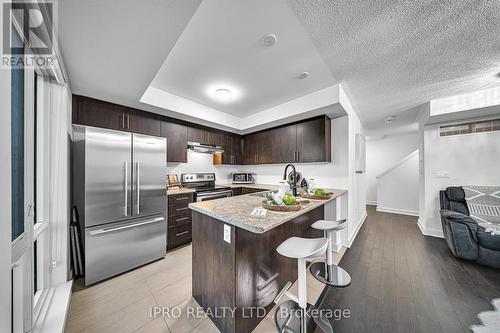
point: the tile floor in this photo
(126, 303)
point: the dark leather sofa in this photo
(465, 238)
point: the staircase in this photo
(398, 187)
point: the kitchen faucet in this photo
(293, 186)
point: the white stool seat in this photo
(329, 225)
(298, 248)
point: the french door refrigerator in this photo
(119, 190)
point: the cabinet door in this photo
(249, 155)
(215, 137)
(265, 152)
(176, 135)
(283, 141)
(142, 122)
(225, 143)
(196, 134)
(314, 140)
(92, 112)
(236, 148)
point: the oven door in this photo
(204, 196)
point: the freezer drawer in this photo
(117, 247)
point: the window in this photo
(470, 127)
(17, 142)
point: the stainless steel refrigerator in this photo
(119, 190)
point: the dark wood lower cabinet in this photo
(179, 220)
(231, 275)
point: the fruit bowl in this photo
(316, 197)
(281, 208)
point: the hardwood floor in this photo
(403, 281)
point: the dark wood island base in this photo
(237, 282)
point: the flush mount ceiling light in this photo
(269, 40)
(223, 94)
(302, 75)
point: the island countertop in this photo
(236, 211)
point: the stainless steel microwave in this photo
(242, 178)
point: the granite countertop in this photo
(236, 210)
(176, 190)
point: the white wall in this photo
(383, 153)
(329, 175)
(200, 162)
(470, 159)
(5, 202)
(357, 181)
(398, 188)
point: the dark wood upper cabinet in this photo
(92, 112)
(301, 142)
(177, 137)
(314, 140)
(250, 150)
(197, 134)
(283, 140)
(142, 122)
(237, 149)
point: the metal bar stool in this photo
(325, 271)
(291, 316)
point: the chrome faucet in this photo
(293, 186)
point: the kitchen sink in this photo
(262, 194)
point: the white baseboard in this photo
(350, 240)
(371, 203)
(397, 211)
(433, 232)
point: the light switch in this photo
(227, 233)
(442, 174)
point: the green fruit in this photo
(289, 199)
(320, 192)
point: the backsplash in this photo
(200, 162)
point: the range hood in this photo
(204, 148)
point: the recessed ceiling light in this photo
(302, 75)
(389, 119)
(223, 94)
(269, 40)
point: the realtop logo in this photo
(27, 33)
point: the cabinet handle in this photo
(123, 120)
(128, 121)
(181, 233)
(182, 198)
(177, 209)
(298, 156)
(182, 219)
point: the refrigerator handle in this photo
(138, 189)
(106, 230)
(126, 189)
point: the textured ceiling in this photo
(391, 56)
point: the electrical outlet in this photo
(227, 233)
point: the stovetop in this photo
(201, 182)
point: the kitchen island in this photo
(236, 270)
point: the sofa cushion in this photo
(488, 240)
(456, 193)
(456, 198)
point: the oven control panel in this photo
(197, 177)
